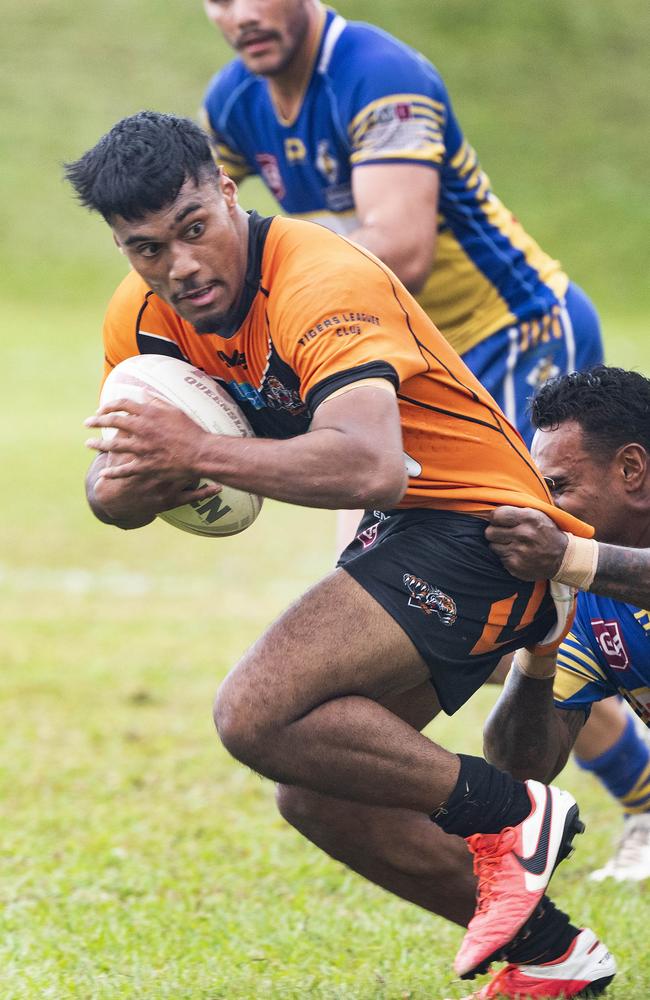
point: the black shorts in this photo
(434, 573)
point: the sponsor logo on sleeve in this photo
(394, 127)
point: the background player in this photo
(594, 448)
(351, 128)
(322, 701)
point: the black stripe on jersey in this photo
(371, 369)
(533, 468)
(144, 305)
(258, 227)
(421, 347)
(149, 343)
(484, 423)
(449, 413)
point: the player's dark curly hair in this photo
(141, 165)
(611, 405)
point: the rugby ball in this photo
(209, 405)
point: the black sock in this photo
(485, 800)
(544, 937)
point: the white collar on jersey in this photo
(331, 38)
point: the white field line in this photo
(113, 580)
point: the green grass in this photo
(138, 860)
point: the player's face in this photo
(192, 253)
(581, 483)
(267, 34)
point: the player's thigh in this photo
(336, 640)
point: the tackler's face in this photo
(580, 482)
(267, 34)
(193, 252)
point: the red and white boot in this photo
(585, 970)
(513, 868)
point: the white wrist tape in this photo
(579, 563)
(540, 668)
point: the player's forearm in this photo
(623, 574)
(524, 734)
(319, 469)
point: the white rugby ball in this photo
(210, 406)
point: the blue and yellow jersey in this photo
(606, 652)
(371, 99)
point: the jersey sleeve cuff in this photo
(330, 384)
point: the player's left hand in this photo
(528, 543)
(155, 440)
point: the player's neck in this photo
(288, 88)
(642, 535)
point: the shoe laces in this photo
(488, 849)
(497, 985)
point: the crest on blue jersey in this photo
(326, 162)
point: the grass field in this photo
(138, 860)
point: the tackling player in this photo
(593, 446)
(349, 127)
(329, 701)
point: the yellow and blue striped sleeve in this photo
(580, 678)
(403, 127)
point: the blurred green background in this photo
(137, 859)
(553, 95)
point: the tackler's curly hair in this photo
(141, 165)
(611, 405)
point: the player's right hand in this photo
(132, 503)
(528, 543)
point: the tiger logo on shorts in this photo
(429, 599)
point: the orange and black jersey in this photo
(318, 313)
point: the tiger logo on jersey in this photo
(430, 599)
